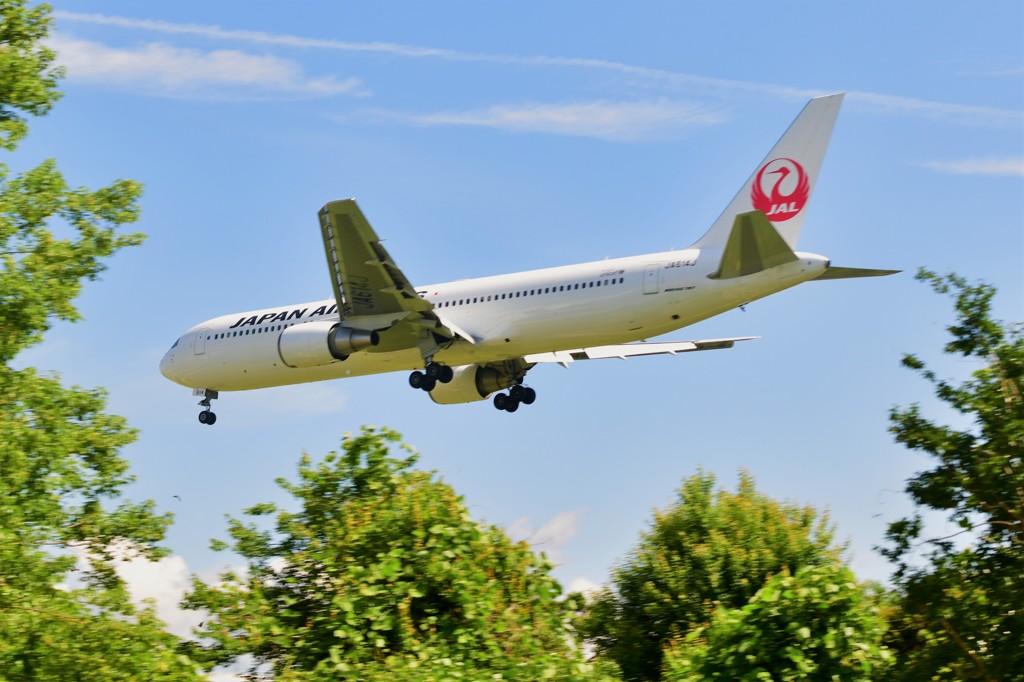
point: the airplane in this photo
(468, 340)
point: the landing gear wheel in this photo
(429, 383)
(516, 393)
(501, 401)
(416, 379)
(512, 406)
(529, 395)
(442, 373)
(206, 416)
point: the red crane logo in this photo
(776, 193)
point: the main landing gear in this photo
(435, 373)
(488, 379)
(518, 394)
(206, 416)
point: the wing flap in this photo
(373, 294)
(628, 350)
(365, 279)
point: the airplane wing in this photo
(371, 291)
(629, 350)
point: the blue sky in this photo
(484, 138)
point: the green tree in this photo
(961, 614)
(707, 549)
(816, 624)
(28, 81)
(60, 470)
(382, 574)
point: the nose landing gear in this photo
(206, 416)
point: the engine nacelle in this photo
(319, 343)
(470, 383)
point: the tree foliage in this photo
(962, 612)
(28, 81)
(60, 471)
(382, 574)
(707, 549)
(816, 624)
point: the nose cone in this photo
(167, 367)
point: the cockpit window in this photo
(175, 344)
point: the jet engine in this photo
(470, 383)
(319, 343)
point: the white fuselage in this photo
(507, 316)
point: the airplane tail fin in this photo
(781, 186)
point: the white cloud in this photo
(617, 121)
(956, 113)
(550, 537)
(259, 37)
(963, 114)
(165, 582)
(979, 167)
(182, 72)
(585, 585)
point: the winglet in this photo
(782, 184)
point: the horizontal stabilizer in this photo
(629, 350)
(754, 245)
(847, 273)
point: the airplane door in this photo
(652, 284)
(199, 346)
